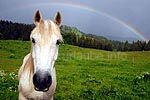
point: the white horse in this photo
(37, 77)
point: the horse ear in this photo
(58, 19)
(37, 17)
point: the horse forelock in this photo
(53, 28)
(46, 28)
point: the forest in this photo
(19, 31)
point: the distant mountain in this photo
(96, 37)
(69, 29)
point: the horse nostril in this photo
(42, 81)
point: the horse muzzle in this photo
(42, 81)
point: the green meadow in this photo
(82, 73)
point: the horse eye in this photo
(58, 42)
(33, 40)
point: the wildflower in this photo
(146, 73)
(139, 77)
(10, 88)
(2, 73)
(12, 75)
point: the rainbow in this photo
(90, 9)
(129, 27)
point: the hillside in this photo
(69, 29)
(82, 74)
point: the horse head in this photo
(45, 38)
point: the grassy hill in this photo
(82, 74)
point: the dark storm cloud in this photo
(133, 12)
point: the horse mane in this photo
(29, 66)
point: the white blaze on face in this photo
(44, 51)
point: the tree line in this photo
(72, 36)
(15, 31)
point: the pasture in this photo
(82, 74)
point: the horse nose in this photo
(42, 81)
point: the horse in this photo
(37, 75)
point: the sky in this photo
(115, 19)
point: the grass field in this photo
(82, 74)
